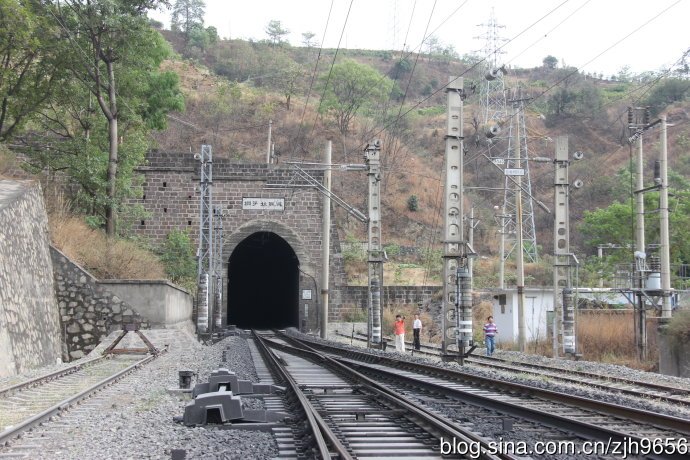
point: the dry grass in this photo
(609, 336)
(605, 336)
(429, 332)
(105, 258)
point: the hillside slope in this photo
(234, 89)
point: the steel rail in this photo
(429, 419)
(317, 424)
(663, 421)
(579, 427)
(50, 376)
(572, 376)
(64, 405)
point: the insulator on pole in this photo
(657, 172)
(492, 131)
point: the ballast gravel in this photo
(133, 419)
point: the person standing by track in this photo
(399, 331)
(490, 331)
(416, 331)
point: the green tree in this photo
(187, 15)
(550, 62)
(613, 224)
(307, 39)
(115, 55)
(276, 32)
(413, 203)
(667, 92)
(288, 80)
(608, 225)
(350, 86)
(30, 67)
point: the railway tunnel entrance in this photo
(263, 283)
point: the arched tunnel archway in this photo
(263, 283)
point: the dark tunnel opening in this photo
(263, 284)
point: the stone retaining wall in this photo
(357, 297)
(29, 321)
(88, 310)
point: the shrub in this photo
(679, 328)
(413, 203)
(177, 254)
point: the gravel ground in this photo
(134, 418)
(544, 382)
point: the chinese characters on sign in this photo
(264, 204)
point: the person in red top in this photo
(399, 331)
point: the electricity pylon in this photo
(500, 147)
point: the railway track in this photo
(30, 403)
(350, 416)
(587, 419)
(626, 386)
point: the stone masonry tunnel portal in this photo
(263, 283)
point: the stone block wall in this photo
(29, 321)
(357, 297)
(88, 310)
(171, 198)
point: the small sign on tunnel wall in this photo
(306, 294)
(264, 204)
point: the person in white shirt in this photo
(416, 331)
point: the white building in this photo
(538, 310)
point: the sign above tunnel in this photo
(264, 204)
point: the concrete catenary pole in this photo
(326, 238)
(520, 254)
(456, 321)
(205, 250)
(640, 256)
(639, 199)
(563, 318)
(375, 246)
(268, 144)
(502, 249)
(663, 225)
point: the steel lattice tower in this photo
(501, 146)
(492, 90)
(529, 236)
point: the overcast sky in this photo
(574, 31)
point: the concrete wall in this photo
(674, 358)
(161, 302)
(88, 310)
(29, 321)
